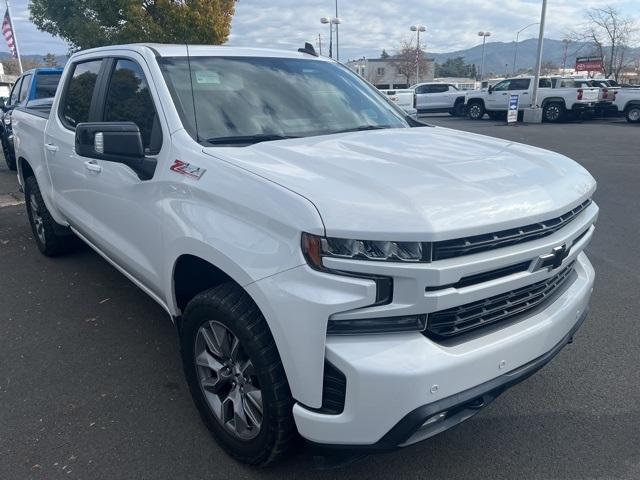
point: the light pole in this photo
(515, 54)
(331, 21)
(484, 36)
(418, 29)
(534, 94)
(337, 17)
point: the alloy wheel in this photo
(553, 113)
(634, 115)
(36, 216)
(228, 380)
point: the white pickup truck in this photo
(628, 103)
(335, 269)
(403, 98)
(437, 97)
(555, 102)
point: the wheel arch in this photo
(549, 100)
(630, 104)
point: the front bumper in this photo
(397, 382)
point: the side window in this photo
(520, 84)
(453, 88)
(544, 83)
(440, 88)
(24, 89)
(422, 89)
(129, 100)
(46, 85)
(77, 98)
(502, 86)
(13, 99)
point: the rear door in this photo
(68, 171)
(438, 96)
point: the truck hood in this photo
(423, 184)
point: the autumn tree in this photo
(608, 33)
(405, 61)
(93, 23)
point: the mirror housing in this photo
(490, 89)
(118, 142)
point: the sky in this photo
(370, 25)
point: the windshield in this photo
(243, 100)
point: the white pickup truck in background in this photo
(336, 270)
(628, 103)
(403, 98)
(436, 97)
(555, 102)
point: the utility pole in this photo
(536, 80)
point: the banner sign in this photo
(512, 116)
(589, 64)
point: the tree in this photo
(384, 54)
(50, 60)
(548, 68)
(608, 33)
(11, 66)
(405, 61)
(455, 67)
(92, 23)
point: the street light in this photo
(484, 36)
(331, 21)
(515, 55)
(566, 43)
(418, 29)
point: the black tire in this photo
(554, 112)
(230, 306)
(476, 110)
(632, 114)
(52, 239)
(458, 110)
(8, 158)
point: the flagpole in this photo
(15, 38)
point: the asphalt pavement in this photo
(91, 385)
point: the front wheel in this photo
(476, 111)
(8, 158)
(236, 377)
(633, 114)
(458, 110)
(553, 112)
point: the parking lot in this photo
(91, 384)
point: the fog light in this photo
(409, 323)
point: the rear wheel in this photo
(633, 114)
(553, 112)
(8, 158)
(52, 239)
(236, 376)
(476, 110)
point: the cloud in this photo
(369, 25)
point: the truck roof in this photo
(180, 50)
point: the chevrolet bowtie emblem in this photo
(551, 260)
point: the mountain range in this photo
(499, 55)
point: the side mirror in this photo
(118, 142)
(490, 89)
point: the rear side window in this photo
(24, 89)
(439, 88)
(520, 84)
(46, 85)
(129, 100)
(77, 99)
(544, 83)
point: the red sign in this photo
(589, 64)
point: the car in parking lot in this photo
(403, 98)
(335, 269)
(36, 87)
(628, 103)
(436, 97)
(555, 102)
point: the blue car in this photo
(34, 88)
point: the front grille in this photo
(458, 320)
(482, 243)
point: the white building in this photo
(384, 72)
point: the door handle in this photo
(525, 93)
(51, 147)
(92, 166)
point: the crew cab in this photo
(628, 103)
(555, 102)
(33, 87)
(336, 270)
(436, 97)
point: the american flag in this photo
(8, 34)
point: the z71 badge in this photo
(187, 169)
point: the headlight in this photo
(315, 248)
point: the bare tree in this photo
(608, 33)
(405, 61)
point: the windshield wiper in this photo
(248, 139)
(363, 128)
